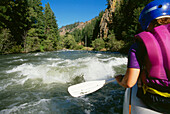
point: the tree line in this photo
(26, 26)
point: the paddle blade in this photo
(85, 88)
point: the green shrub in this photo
(16, 49)
(98, 44)
(32, 44)
(113, 44)
(79, 47)
(47, 45)
(42, 48)
(5, 41)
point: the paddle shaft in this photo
(110, 80)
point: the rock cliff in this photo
(107, 18)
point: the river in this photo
(36, 83)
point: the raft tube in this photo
(137, 106)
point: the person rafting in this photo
(149, 58)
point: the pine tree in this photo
(51, 27)
(38, 23)
(14, 17)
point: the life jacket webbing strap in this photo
(154, 91)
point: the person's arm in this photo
(130, 78)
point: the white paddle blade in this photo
(85, 88)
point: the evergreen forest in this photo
(27, 26)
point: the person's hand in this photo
(119, 78)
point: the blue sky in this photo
(71, 11)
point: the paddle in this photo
(87, 87)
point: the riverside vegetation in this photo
(25, 26)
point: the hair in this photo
(157, 22)
(164, 21)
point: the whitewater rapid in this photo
(60, 70)
(38, 82)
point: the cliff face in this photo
(107, 18)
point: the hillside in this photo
(70, 28)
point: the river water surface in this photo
(36, 83)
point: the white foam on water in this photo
(17, 60)
(86, 100)
(108, 59)
(20, 68)
(87, 111)
(41, 104)
(16, 57)
(12, 110)
(97, 70)
(5, 86)
(47, 73)
(98, 55)
(20, 60)
(53, 59)
(63, 71)
(38, 54)
(119, 61)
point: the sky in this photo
(71, 11)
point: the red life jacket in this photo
(157, 44)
